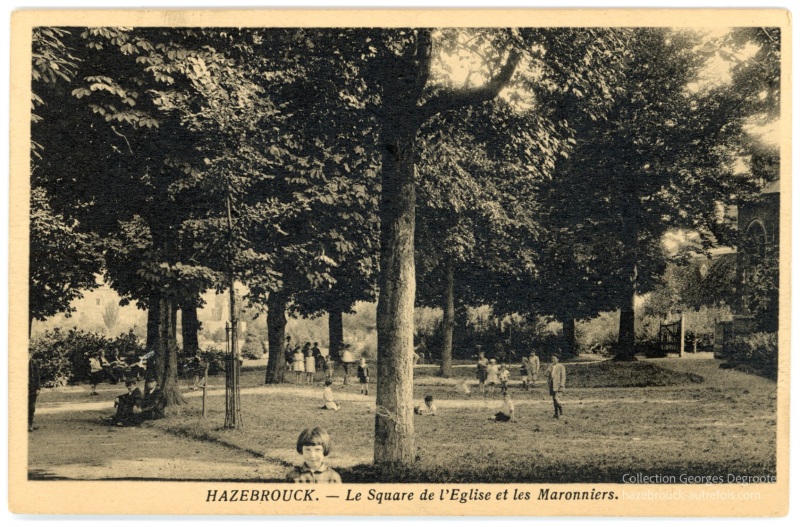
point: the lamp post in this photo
(233, 411)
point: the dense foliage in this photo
(64, 356)
(534, 170)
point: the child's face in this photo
(428, 403)
(313, 455)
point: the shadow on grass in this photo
(761, 369)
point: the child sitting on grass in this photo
(506, 413)
(429, 408)
(327, 397)
(314, 444)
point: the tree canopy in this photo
(533, 169)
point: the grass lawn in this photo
(663, 416)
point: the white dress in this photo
(298, 362)
(491, 374)
(311, 366)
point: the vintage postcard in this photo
(400, 262)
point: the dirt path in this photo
(77, 445)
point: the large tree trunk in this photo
(169, 354)
(461, 340)
(394, 417)
(626, 343)
(448, 322)
(568, 332)
(276, 331)
(335, 333)
(190, 326)
(403, 76)
(153, 318)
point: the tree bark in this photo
(335, 333)
(402, 77)
(568, 333)
(153, 317)
(169, 354)
(626, 343)
(448, 323)
(394, 417)
(276, 334)
(190, 326)
(460, 340)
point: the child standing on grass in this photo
(503, 376)
(533, 368)
(363, 376)
(311, 367)
(327, 397)
(348, 359)
(329, 365)
(314, 444)
(556, 382)
(523, 371)
(492, 375)
(482, 366)
(298, 364)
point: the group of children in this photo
(494, 375)
(308, 360)
(491, 374)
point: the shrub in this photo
(64, 357)
(215, 358)
(252, 353)
(253, 347)
(759, 348)
(599, 333)
(125, 345)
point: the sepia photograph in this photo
(456, 263)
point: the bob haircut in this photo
(312, 437)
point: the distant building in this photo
(759, 225)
